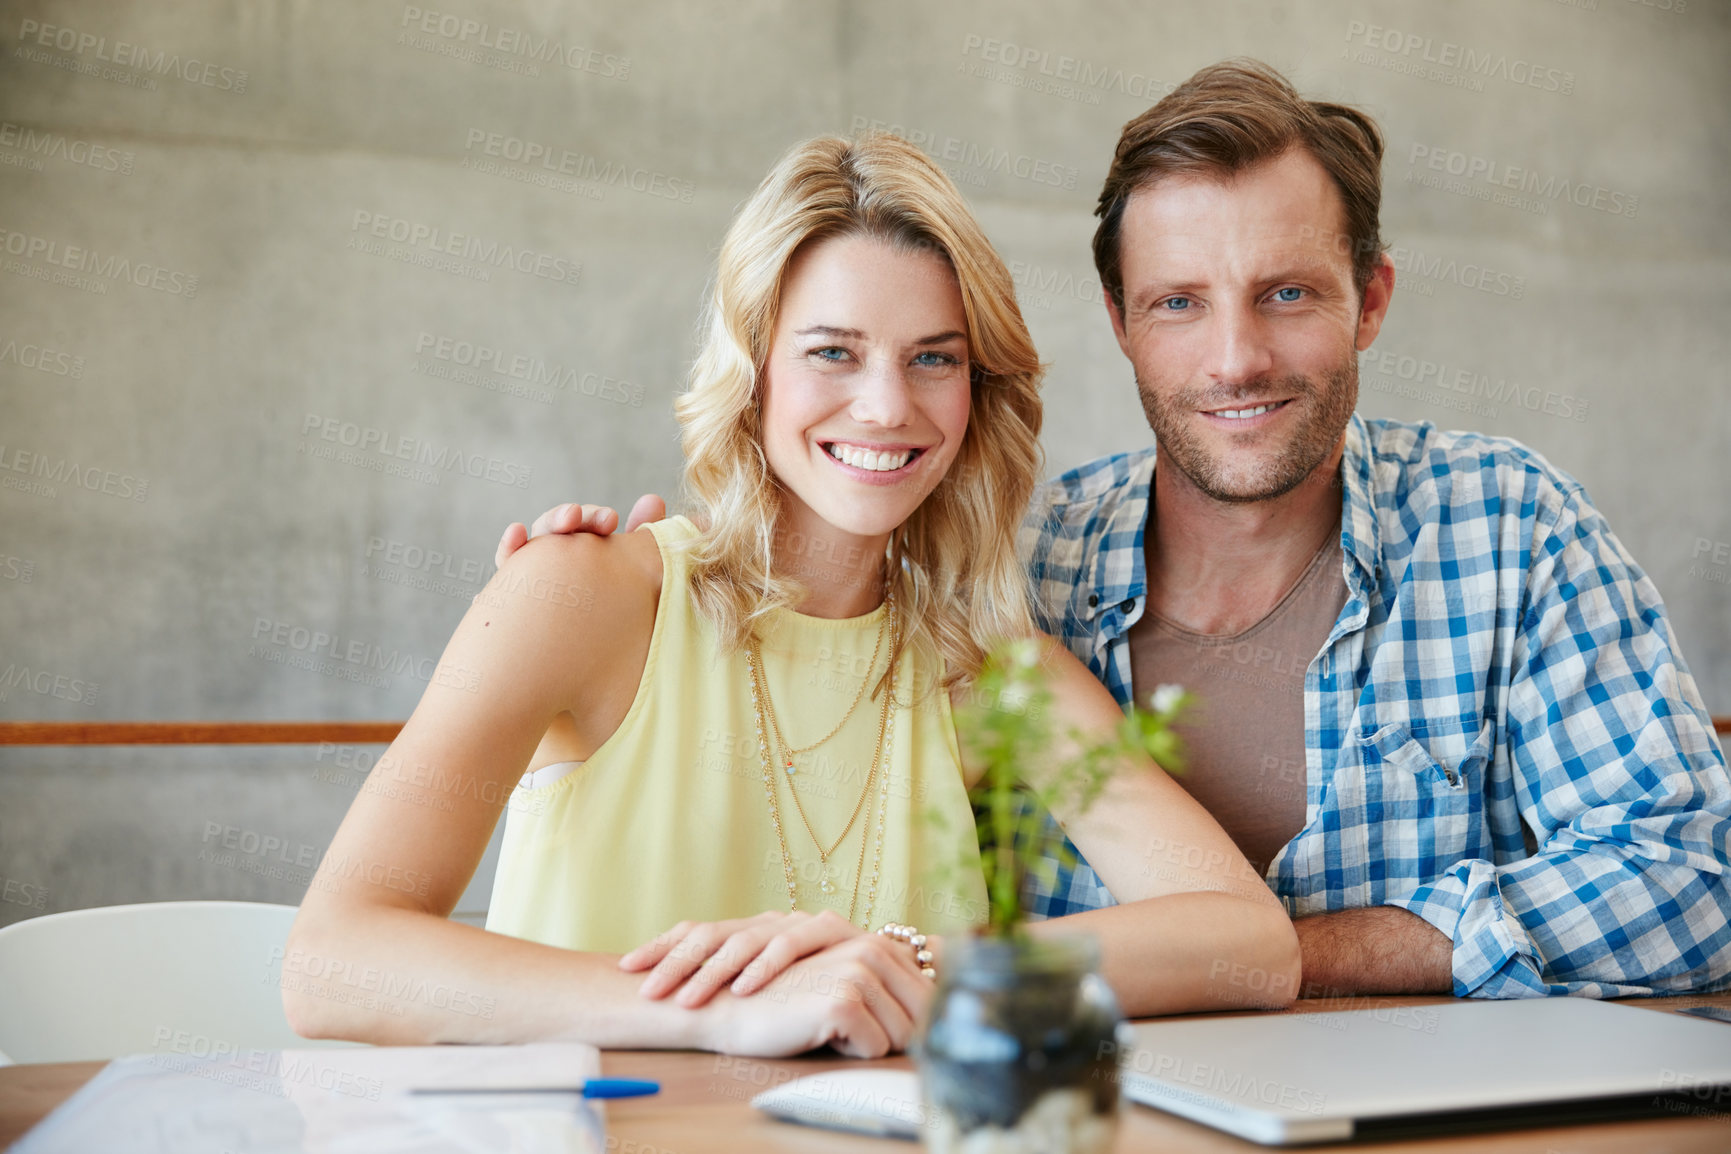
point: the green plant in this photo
(1006, 724)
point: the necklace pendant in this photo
(827, 885)
(790, 766)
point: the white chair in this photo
(169, 977)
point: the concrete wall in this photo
(235, 156)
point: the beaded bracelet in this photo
(913, 937)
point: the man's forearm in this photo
(1379, 950)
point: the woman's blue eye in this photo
(1288, 294)
(938, 360)
(825, 354)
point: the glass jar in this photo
(1018, 1049)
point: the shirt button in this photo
(1126, 606)
(1093, 600)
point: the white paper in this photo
(332, 1102)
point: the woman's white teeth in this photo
(884, 462)
(1241, 414)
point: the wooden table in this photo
(704, 1106)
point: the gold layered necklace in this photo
(788, 752)
(878, 775)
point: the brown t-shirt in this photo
(1244, 737)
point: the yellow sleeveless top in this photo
(669, 818)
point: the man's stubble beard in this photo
(1327, 409)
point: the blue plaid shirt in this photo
(1500, 733)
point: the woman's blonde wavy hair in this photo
(958, 581)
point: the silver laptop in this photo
(1399, 1071)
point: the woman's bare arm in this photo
(1196, 928)
(565, 625)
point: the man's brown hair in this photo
(1226, 118)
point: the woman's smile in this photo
(872, 462)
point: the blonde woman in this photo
(739, 724)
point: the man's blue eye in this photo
(1289, 294)
(1177, 304)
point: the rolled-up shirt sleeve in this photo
(1620, 781)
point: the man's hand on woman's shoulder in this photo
(598, 519)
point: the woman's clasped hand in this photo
(815, 977)
(693, 961)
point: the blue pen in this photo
(593, 1088)
(619, 1088)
